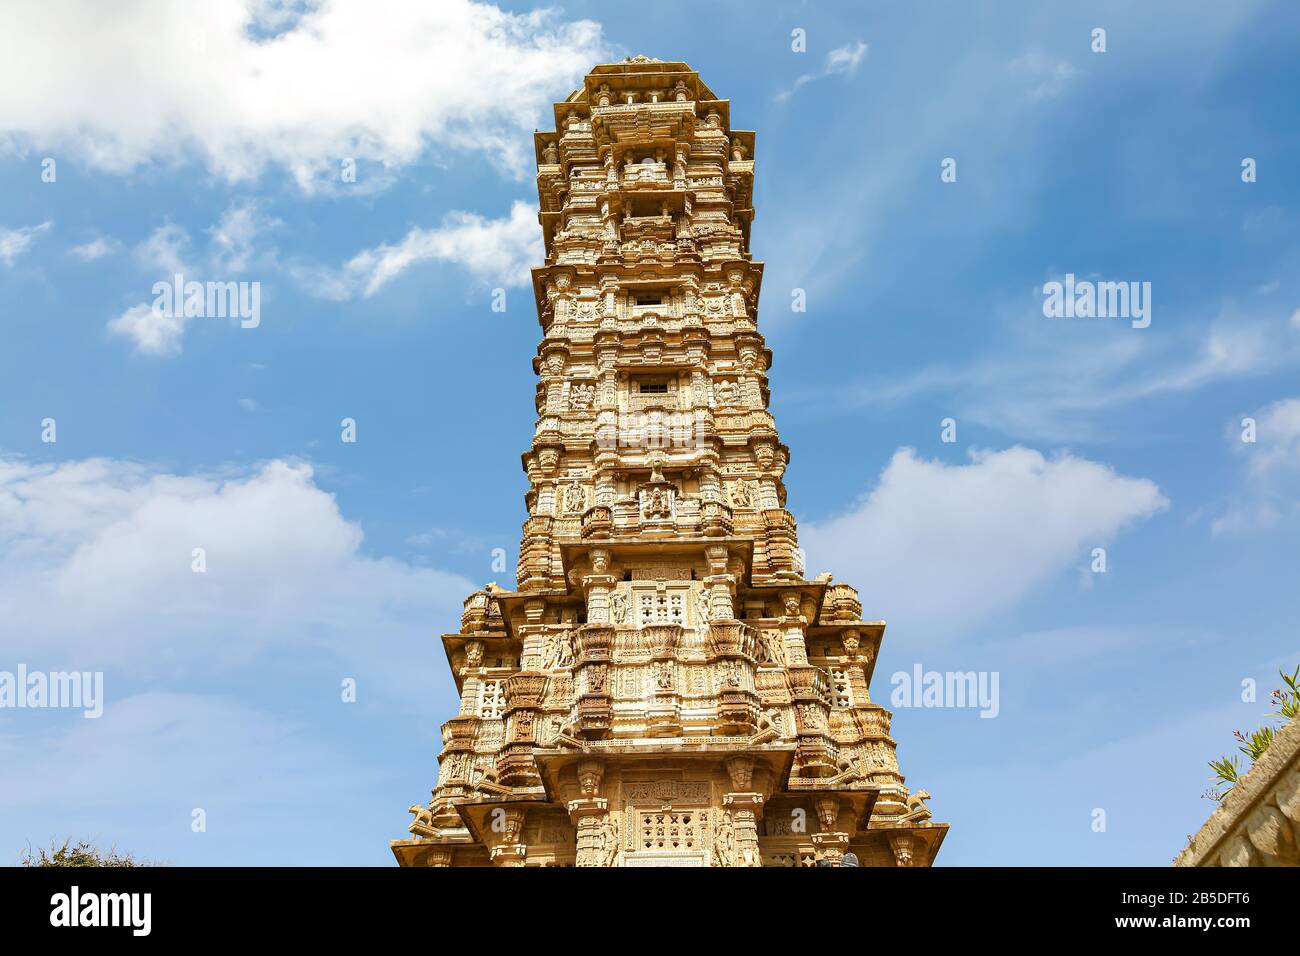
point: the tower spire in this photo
(664, 686)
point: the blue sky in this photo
(210, 141)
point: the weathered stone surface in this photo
(665, 687)
(1258, 822)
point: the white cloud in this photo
(149, 81)
(842, 60)
(942, 548)
(97, 557)
(232, 247)
(1047, 76)
(155, 747)
(151, 331)
(234, 237)
(165, 250)
(15, 242)
(97, 248)
(132, 778)
(1272, 482)
(496, 251)
(1050, 378)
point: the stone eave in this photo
(451, 643)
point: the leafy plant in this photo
(1227, 770)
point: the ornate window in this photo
(491, 699)
(840, 683)
(661, 607)
(671, 830)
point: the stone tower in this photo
(665, 687)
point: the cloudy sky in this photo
(143, 139)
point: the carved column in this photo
(902, 843)
(831, 842)
(732, 646)
(509, 851)
(746, 806)
(597, 841)
(553, 367)
(598, 586)
(436, 856)
(471, 672)
(721, 585)
(811, 692)
(855, 666)
(591, 680)
(781, 540)
(515, 764)
(663, 702)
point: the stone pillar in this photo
(597, 838)
(509, 851)
(515, 764)
(746, 806)
(534, 553)
(902, 843)
(710, 485)
(609, 291)
(855, 666)
(471, 675)
(663, 701)
(679, 166)
(780, 528)
(831, 841)
(591, 680)
(598, 586)
(437, 856)
(721, 586)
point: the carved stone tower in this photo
(664, 687)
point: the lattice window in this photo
(840, 682)
(669, 831)
(491, 698)
(661, 606)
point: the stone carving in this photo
(657, 504)
(702, 613)
(1258, 822)
(558, 651)
(665, 676)
(916, 808)
(724, 842)
(474, 654)
(606, 849)
(620, 640)
(740, 496)
(581, 395)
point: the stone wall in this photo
(1258, 822)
